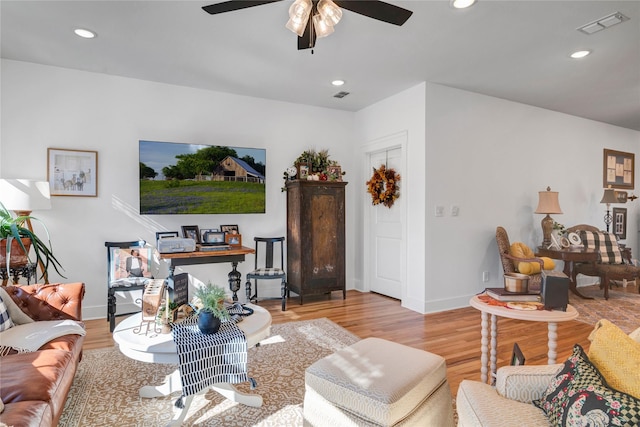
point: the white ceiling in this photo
(516, 50)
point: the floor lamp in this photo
(609, 197)
(24, 196)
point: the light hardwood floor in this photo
(454, 334)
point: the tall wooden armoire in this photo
(315, 237)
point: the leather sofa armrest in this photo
(55, 301)
(525, 383)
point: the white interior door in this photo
(386, 256)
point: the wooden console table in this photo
(233, 255)
(570, 256)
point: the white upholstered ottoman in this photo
(376, 382)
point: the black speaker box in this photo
(555, 290)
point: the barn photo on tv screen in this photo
(201, 179)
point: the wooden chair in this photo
(605, 271)
(266, 269)
(508, 266)
(124, 274)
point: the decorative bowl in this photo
(516, 282)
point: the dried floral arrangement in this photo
(318, 167)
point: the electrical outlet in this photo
(455, 210)
(485, 276)
(439, 210)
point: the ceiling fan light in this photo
(300, 10)
(296, 27)
(321, 27)
(330, 12)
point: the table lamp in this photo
(609, 197)
(24, 196)
(547, 204)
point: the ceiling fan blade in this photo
(231, 5)
(377, 10)
(308, 39)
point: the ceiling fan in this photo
(312, 19)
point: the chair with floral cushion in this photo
(614, 263)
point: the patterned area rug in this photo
(105, 389)
(622, 308)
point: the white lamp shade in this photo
(25, 195)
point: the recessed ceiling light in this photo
(580, 54)
(462, 4)
(337, 82)
(84, 33)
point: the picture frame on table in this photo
(304, 169)
(229, 228)
(205, 233)
(233, 239)
(191, 232)
(335, 173)
(618, 169)
(72, 172)
(620, 223)
(212, 237)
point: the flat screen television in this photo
(180, 178)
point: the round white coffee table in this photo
(552, 317)
(160, 348)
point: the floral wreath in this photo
(383, 186)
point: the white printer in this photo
(170, 245)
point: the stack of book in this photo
(501, 294)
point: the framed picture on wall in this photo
(72, 172)
(620, 223)
(618, 169)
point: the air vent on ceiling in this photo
(341, 94)
(603, 23)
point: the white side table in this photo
(160, 348)
(551, 317)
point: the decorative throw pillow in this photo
(520, 250)
(579, 396)
(603, 242)
(5, 319)
(617, 357)
(635, 335)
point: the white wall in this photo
(46, 106)
(490, 157)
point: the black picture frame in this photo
(620, 223)
(191, 232)
(517, 358)
(229, 228)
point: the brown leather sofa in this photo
(34, 386)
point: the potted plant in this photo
(15, 237)
(211, 310)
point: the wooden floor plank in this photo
(453, 334)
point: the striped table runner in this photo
(208, 359)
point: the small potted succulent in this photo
(16, 239)
(211, 309)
